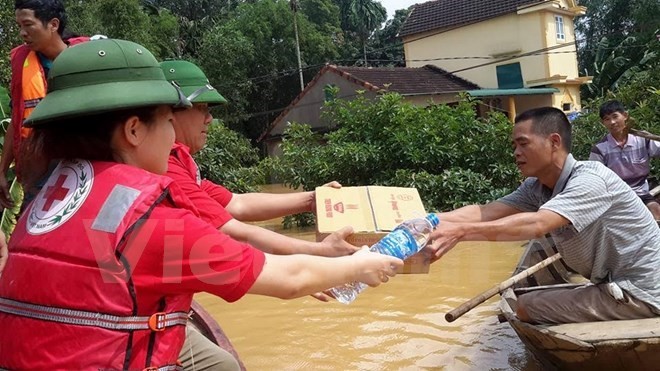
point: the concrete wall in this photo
(308, 109)
(511, 34)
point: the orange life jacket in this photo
(67, 300)
(28, 86)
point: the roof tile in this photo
(403, 80)
(440, 14)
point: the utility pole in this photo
(294, 7)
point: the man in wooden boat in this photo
(225, 210)
(627, 155)
(601, 228)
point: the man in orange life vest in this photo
(42, 27)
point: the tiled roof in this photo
(440, 14)
(403, 80)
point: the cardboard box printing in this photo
(372, 211)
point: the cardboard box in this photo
(372, 211)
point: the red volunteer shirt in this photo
(210, 199)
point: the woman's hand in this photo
(376, 268)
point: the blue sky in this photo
(394, 5)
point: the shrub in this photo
(450, 155)
(230, 160)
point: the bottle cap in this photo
(433, 219)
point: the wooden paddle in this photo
(472, 303)
(644, 134)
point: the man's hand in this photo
(444, 238)
(4, 252)
(5, 196)
(334, 184)
(312, 194)
(335, 244)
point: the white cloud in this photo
(393, 5)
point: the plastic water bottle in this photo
(404, 241)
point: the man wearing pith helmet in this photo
(225, 210)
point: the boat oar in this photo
(472, 303)
(644, 134)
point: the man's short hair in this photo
(548, 120)
(45, 10)
(610, 107)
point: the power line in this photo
(542, 51)
(526, 54)
(292, 71)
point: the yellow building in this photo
(522, 53)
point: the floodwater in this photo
(399, 325)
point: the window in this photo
(509, 76)
(559, 27)
(566, 106)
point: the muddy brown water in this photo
(396, 326)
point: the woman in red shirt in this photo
(104, 262)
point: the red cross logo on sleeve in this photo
(55, 192)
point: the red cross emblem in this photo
(55, 192)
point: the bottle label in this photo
(398, 243)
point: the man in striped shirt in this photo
(627, 155)
(601, 228)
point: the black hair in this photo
(86, 137)
(548, 120)
(610, 107)
(45, 11)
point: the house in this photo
(521, 52)
(420, 85)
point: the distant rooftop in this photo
(441, 14)
(406, 81)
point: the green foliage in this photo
(615, 37)
(258, 41)
(386, 49)
(10, 216)
(126, 19)
(230, 160)
(5, 110)
(359, 20)
(452, 157)
(8, 39)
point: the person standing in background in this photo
(42, 25)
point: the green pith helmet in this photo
(192, 81)
(103, 76)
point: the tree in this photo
(362, 17)
(8, 39)
(126, 19)
(250, 58)
(230, 160)
(194, 18)
(386, 47)
(614, 36)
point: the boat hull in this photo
(606, 345)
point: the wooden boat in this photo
(605, 345)
(205, 323)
